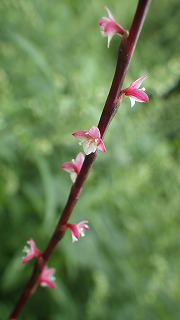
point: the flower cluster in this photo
(46, 278)
(91, 141)
(109, 27)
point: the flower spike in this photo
(134, 93)
(109, 27)
(46, 278)
(31, 252)
(90, 140)
(78, 229)
(74, 166)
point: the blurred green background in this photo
(55, 74)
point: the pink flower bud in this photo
(74, 166)
(78, 229)
(90, 140)
(46, 278)
(109, 27)
(32, 252)
(134, 93)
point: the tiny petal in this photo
(74, 232)
(69, 166)
(46, 278)
(132, 101)
(79, 161)
(94, 133)
(136, 84)
(81, 135)
(78, 229)
(138, 95)
(89, 147)
(109, 13)
(31, 252)
(101, 146)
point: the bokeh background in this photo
(55, 74)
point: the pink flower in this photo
(46, 278)
(31, 252)
(78, 229)
(74, 166)
(134, 93)
(110, 27)
(90, 140)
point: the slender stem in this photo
(125, 53)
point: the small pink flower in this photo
(46, 278)
(110, 27)
(74, 166)
(31, 252)
(78, 229)
(90, 140)
(134, 93)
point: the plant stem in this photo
(125, 53)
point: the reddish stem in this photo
(126, 50)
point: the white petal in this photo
(89, 147)
(132, 102)
(73, 176)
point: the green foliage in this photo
(55, 73)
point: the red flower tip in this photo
(78, 229)
(31, 252)
(47, 278)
